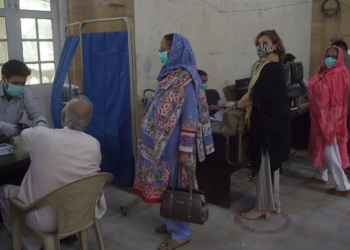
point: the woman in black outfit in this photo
(268, 118)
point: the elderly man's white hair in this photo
(78, 113)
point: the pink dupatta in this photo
(328, 101)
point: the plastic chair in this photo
(75, 206)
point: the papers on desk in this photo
(218, 115)
(6, 149)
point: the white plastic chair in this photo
(75, 206)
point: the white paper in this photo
(218, 115)
(230, 104)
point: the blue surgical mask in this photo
(205, 86)
(329, 61)
(14, 90)
(163, 57)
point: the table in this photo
(214, 173)
(300, 131)
(14, 166)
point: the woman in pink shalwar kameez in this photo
(328, 101)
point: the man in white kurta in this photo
(58, 156)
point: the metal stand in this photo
(135, 202)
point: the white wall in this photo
(221, 33)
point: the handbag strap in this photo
(227, 149)
(177, 171)
(240, 146)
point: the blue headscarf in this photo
(181, 57)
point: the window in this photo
(3, 41)
(40, 5)
(27, 32)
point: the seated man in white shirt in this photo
(58, 157)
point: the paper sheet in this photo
(218, 115)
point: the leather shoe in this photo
(313, 180)
(333, 191)
(69, 240)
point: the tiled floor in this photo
(312, 219)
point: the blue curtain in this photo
(107, 85)
(68, 51)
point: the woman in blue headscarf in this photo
(174, 128)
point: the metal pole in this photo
(66, 34)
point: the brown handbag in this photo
(233, 123)
(184, 204)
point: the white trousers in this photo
(267, 191)
(6, 192)
(334, 166)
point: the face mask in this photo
(329, 61)
(264, 50)
(14, 90)
(163, 57)
(205, 86)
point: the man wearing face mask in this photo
(204, 77)
(15, 98)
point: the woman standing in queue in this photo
(268, 119)
(328, 102)
(174, 128)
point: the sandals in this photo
(278, 207)
(253, 214)
(333, 191)
(161, 229)
(314, 180)
(172, 244)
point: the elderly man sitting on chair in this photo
(58, 157)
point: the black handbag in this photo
(184, 204)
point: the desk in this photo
(14, 166)
(300, 131)
(214, 173)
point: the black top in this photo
(270, 118)
(212, 96)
